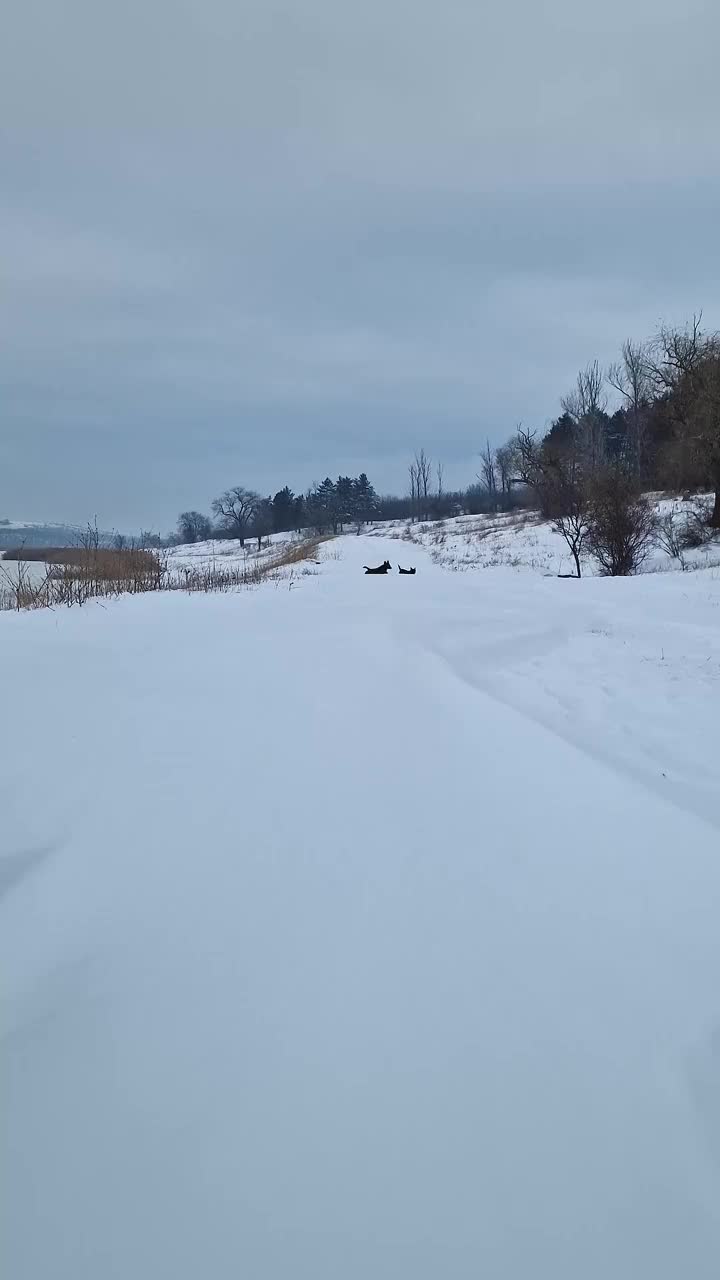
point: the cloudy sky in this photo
(256, 241)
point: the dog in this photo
(405, 570)
(382, 568)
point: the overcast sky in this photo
(251, 241)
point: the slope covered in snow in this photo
(523, 541)
(363, 927)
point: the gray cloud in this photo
(256, 242)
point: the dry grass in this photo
(74, 575)
(84, 554)
(81, 574)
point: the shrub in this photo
(670, 536)
(621, 523)
(698, 530)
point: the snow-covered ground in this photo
(523, 541)
(228, 551)
(363, 928)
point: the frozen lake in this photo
(34, 571)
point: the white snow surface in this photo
(229, 552)
(363, 928)
(523, 541)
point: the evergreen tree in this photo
(365, 501)
(344, 506)
(283, 510)
(325, 505)
(299, 514)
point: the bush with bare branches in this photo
(669, 537)
(621, 523)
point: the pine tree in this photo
(365, 501)
(344, 501)
(283, 509)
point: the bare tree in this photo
(439, 471)
(414, 490)
(193, 527)
(678, 353)
(686, 370)
(527, 455)
(488, 475)
(632, 377)
(586, 405)
(423, 471)
(588, 395)
(235, 509)
(568, 499)
(559, 482)
(506, 466)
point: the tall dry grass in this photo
(82, 574)
(74, 575)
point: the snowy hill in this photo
(367, 927)
(14, 533)
(523, 541)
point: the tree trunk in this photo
(715, 518)
(576, 558)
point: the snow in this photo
(28, 524)
(230, 549)
(229, 553)
(41, 526)
(522, 541)
(360, 926)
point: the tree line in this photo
(242, 513)
(590, 472)
(587, 472)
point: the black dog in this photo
(405, 570)
(382, 568)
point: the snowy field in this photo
(524, 542)
(229, 552)
(364, 927)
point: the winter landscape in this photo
(369, 922)
(360, 641)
